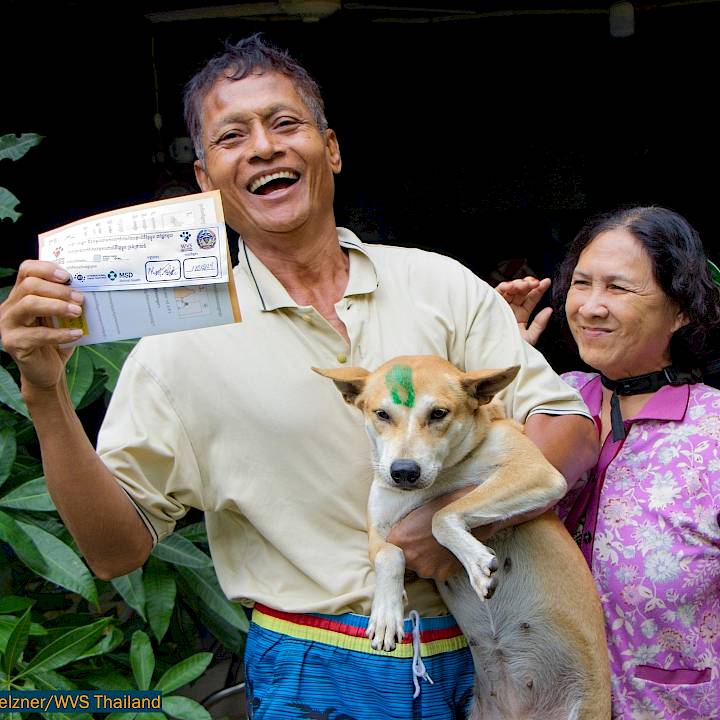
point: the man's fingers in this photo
(28, 309)
(42, 269)
(22, 343)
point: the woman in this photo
(636, 293)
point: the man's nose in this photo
(262, 143)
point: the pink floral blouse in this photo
(646, 519)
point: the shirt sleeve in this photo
(144, 444)
(493, 341)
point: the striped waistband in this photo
(437, 634)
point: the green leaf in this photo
(107, 679)
(184, 708)
(203, 583)
(125, 716)
(142, 659)
(16, 642)
(179, 551)
(50, 680)
(22, 545)
(8, 203)
(7, 625)
(110, 357)
(7, 272)
(131, 589)
(32, 496)
(714, 272)
(26, 466)
(184, 672)
(9, 391)
(14, 603)
(63, 566)
(196, 533)
(96, 389)
(160, 592)
(15, 146)
(112, 640)
(79, 373)
(8, 451)
(66, 648)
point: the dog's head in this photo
(421, 413)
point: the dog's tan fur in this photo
(526, 602)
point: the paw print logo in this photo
(112, 275)
(185, 235)
(57, 251)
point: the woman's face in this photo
(620, 318)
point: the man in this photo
(243, 430)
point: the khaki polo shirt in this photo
(232, 420)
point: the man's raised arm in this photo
(96, 510)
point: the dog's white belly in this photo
(523, 670)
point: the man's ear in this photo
(203, 179)
(483, 385)
(333, 149)
(349, 381)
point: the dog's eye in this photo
(382, 415)
(438, 413)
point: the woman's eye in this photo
(438, 413)
(382, 415)
(580, 282)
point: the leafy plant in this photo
(54, 615)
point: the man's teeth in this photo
(274, 176)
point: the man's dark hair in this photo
(680, 268)
(249, 55)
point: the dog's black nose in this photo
(405, 472)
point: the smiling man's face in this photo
(263, 150)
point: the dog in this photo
(526, 602)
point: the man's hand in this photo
(423, 553)
(523, 296)
(40, 292)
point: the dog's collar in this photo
(638, 384)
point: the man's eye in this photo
(229, 136)
(438, 413)
(616, 287)
(285, 123)
(580, 282)
(382, 415)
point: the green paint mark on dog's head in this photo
(399, 384)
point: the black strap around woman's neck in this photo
(639, 384)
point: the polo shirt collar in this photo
(363, 277)
(668, 403)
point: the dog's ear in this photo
(483, 385)
(349, 381)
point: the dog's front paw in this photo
(481, 571)
(385, 628)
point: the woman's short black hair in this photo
(680, 267)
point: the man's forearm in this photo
(569, 442)
(91, 503)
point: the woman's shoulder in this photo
(578, 379)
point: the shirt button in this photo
(307, 317)
(342, 358)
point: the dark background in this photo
(489, 136)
